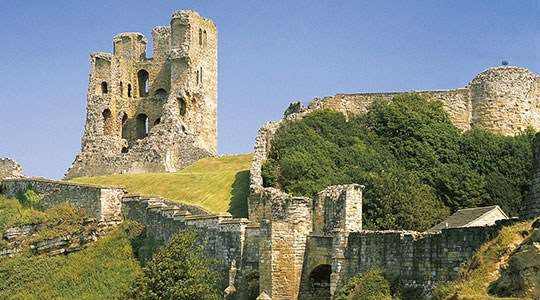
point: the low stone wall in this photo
(234, 243)
(101, 202)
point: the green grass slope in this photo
(104, 270)
(218, 184)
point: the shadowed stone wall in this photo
(233, 243)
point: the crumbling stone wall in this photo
(234, 243)
(503, 100)
(103, 203)
(10, 169)
(155, 114)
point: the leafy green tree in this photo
(178, 271)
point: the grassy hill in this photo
(104, 270)
(217, 184)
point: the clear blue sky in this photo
(270, 53)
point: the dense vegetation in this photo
(217, 184)
(178, 271)
(104, 270)
(416, 165)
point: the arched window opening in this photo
(162, 93)
(104, 88)
(181, 106)
(157, 121)
(121, 89)
(319, 282)
(124, 126)
(124, 149)
(200, 74)
(129, 90)
(197, 73)
(107, 122)
(142, 126)
(200, 37)
(205, 38)
(142, 77)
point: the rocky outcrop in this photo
(521, 277)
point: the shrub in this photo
(177, 271)
(29, 198)
(371, 285)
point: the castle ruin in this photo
(154, 114)
(159, 114)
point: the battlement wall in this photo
(102, 202)
(234, 243)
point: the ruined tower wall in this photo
(156, 114)
(505, 100)
(10, 169)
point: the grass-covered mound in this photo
(478, 277)
(416, 165)
(104, 270)
(217, 184)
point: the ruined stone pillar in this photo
(283, 244)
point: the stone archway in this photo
(319, 283)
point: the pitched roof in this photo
(464, 216)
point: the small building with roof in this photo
(472, 217)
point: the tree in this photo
(178, 271)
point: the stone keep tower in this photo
(155, 114)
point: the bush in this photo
(416, 165)
(29, 198)
(177, 271)
(371, 285)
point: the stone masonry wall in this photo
(283, 246)
(155, 114)
(103, 203)
(234, 243)
(9, 169)
(419, 259)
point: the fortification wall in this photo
(155, 114)
(456, 103)
(103, 203)
(234, 243)
(9, 169)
